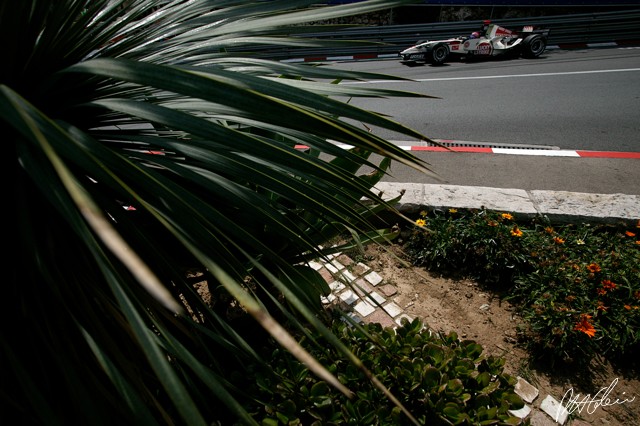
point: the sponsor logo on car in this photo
(484, 48)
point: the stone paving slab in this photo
(554, 409)
(526, 390)
(419, 196)
(569, 206)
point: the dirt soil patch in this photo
(474, 313)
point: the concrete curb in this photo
(530, 152)
(558, 206)
(478, 148)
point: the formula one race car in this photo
(493, 40)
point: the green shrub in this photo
(482, 244)
(439, 379)
(577, 286)
(584, 296)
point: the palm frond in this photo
(156, 158)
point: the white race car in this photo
(492, 41)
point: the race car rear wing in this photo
(530, 29)
(494, 30)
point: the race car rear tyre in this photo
(533, 46)
(438, 54)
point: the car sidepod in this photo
(484, 48)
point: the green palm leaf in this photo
(156, 157)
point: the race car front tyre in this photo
(438, 54)
(533, 46)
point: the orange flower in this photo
(558, 240)
(594, 267)
(506, 216)
(492, 223)
(585, 326)
(627, 307)
(629, 234)
(601, 306)
(609, 285)
(421, 222)
(602, 291)
(516, 232)
(638, 242)
(549, 230)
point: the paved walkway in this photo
(360, 291)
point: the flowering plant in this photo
(576, 286)
(583, 297)
(483, 244)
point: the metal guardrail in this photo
(389, 39)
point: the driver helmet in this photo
(475, 34)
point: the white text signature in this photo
(600, 399)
